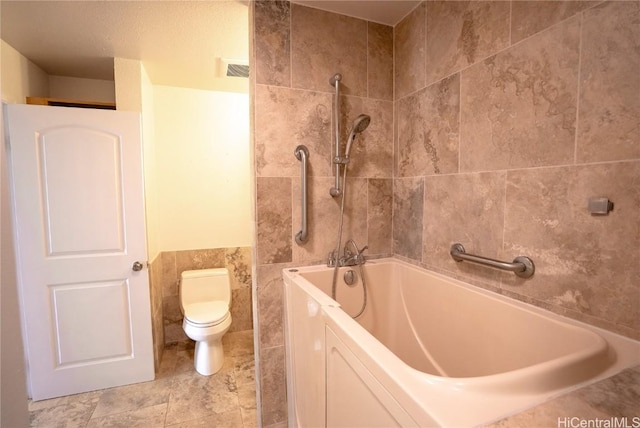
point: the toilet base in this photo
(208, 357)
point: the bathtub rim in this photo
(408, 385)
(615, 345)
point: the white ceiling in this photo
(388, 12)
(180, 42)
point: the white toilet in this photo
(205, 299)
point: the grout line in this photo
(290, 45)
(577, 127)
(459, 123)
(504, 227)
(510, 22)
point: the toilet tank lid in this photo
(204, 273)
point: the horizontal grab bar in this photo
(302, 154)
(522, 266)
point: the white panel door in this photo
(79, 217)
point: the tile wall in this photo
(508, 117)
(157, 314)
(165, 273)
(297, 49)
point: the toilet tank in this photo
(205, 285)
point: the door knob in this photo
(137, 266)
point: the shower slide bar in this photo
(522, 266)
(335, 82)
(302, 154)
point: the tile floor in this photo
(178, 397)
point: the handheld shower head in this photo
(360, 124)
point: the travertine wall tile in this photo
(271, 305)
(372, 151)
(324, 44)
(238, 261)
(173, 332)
(322, 215)
(155, 284)
(379, 216)
(519, 112)
(380, 61)
(530, 17)
(155, 294)
(273, 386)
(514, 111)
(355, 213)
(518, 108)
(241, 310)
(428, 136)
(464, 208)
(461, 33)
(286, 118)
(582, 261)
(272, 42)
(610, 83)
(169, 276)
(199, 259)
(408, 204)
(409, 51)
(273, 204)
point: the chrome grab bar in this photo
(335, 82)
(302, 154)
(522, 266)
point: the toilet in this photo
(205, 299)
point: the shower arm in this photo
(335, 81)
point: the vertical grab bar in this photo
(302, 154)
(335, 82)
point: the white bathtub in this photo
(429, 350)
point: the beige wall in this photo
(82, 89)
(20, 77)
(13, 382)
(196, 157)
(203, 168)
(509, 116)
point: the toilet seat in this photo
(204, 314)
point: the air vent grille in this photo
(237, 70)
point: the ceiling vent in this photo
(237, 70)
(233, 68)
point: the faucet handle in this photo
(331, 259)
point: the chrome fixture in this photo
(350, 277)
(359, 124)
(600, 206)
(349, 258)
(522, 266)
(335, 82)
(302, 154)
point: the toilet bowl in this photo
(205, 299)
